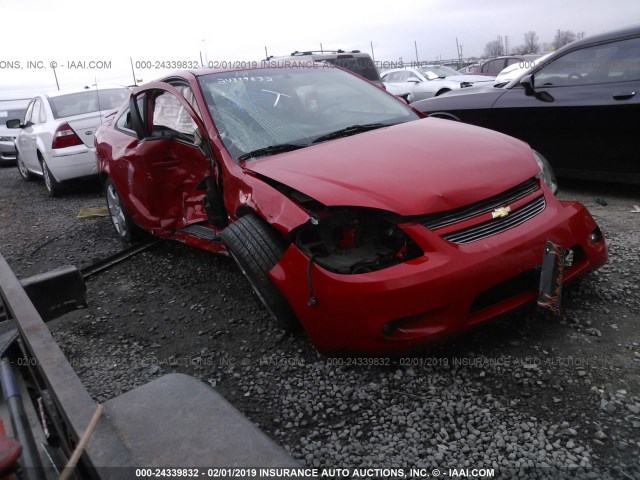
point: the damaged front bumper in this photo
(447, 289)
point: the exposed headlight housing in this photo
(546, 172)
(355, 240)
(466, 84)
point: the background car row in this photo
(579, 107)
(54, 138)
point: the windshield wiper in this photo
(272, 150)
(351, 130)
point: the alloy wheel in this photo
(116, 211)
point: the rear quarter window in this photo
(87, 102)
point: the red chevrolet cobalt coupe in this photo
(374, 229)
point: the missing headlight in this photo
(352, 241)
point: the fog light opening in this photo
(596, 236)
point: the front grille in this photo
(442, 219)
(497, 225)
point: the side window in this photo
(35, 114)
(27, 115)
(607, 63)
(511, 61)
(391, 77)
(124, 123)
(43, 112)
(493, 67)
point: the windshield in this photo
(439, 71)
(87, 102)
(295, 107)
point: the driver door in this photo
(170, 160)
(26, 141)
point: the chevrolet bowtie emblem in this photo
(501, 212)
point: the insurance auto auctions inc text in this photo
(387, 473)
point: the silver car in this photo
(55, 140)
(413, 84)
(9, 109)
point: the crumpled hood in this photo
(419, 167)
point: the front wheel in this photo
(257, 248)
(24, 172)
(125, 227)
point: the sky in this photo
(95, 41)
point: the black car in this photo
(580, 107)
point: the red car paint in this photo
(416, 168)
(368, 169)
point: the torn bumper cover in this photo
(447, 289)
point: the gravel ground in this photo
(557, 396)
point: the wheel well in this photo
(245, 210)
(444, 90)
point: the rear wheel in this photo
(26, 175)
(125, 227)
(257, 248)
(53, 186)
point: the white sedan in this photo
(415, 84)
(55, 140)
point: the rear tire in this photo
(257, 248)
(26, 175)
(54, 188)
(125, 227)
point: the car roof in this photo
(603, 37)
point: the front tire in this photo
(26, 175)
(257, 248)
(125, 227)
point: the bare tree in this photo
(520, 50)
(531, 44)
(562, 38)
(493, 48)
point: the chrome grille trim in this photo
(443, 219)
(497, 225)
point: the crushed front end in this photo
(365, 280)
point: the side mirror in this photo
(413, 80)
(528, 83)
(13, 123)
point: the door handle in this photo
(624, 96)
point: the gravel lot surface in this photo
(559, 395)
